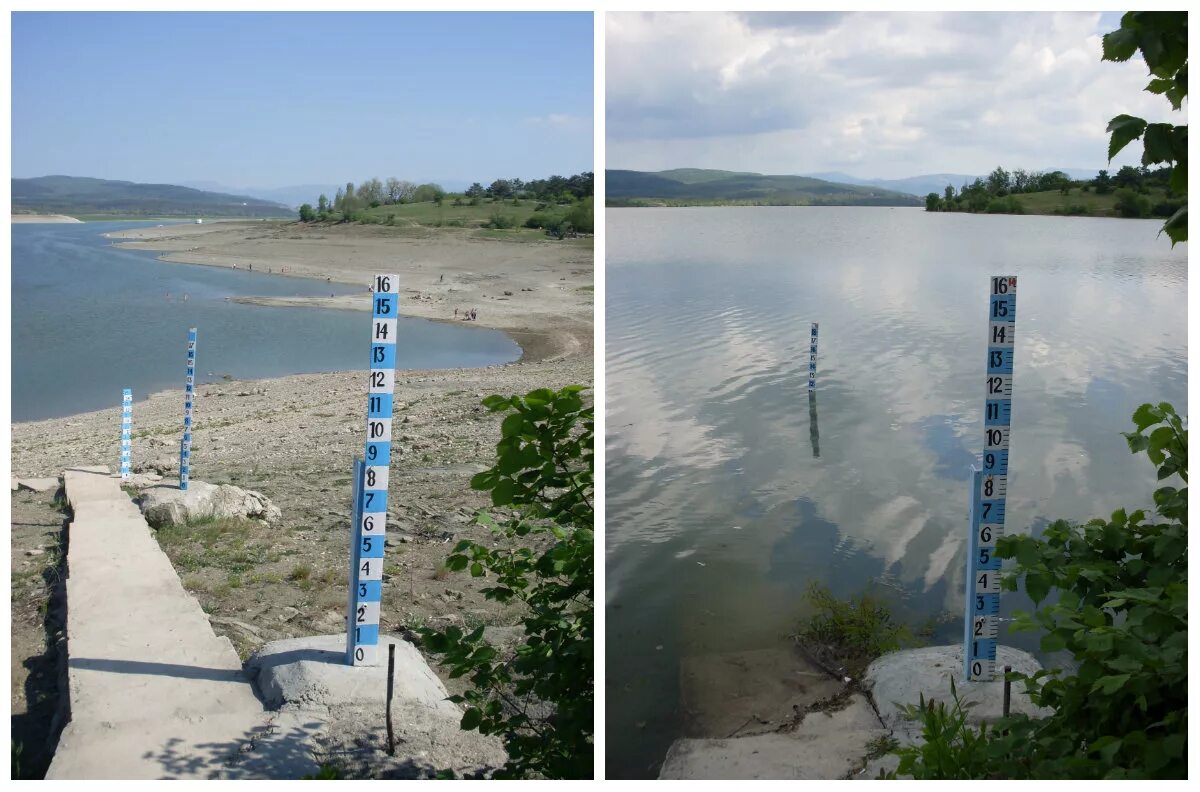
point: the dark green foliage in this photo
(854, 632)
(544, 470)
(1161, 38)
(1132, 204)
(498, 219)
(1120, 611)
(580, 216)
(933, 203)
(307, 215)
(1005, 205)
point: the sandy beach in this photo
(294, 438)
(33, 218)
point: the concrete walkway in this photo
(154, 693)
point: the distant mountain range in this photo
(931, 182)
(81, 195)
(697, 186)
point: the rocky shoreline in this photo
(294, 438)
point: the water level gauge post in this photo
(126, 427)
(989, 487)
(189, 393)
(812, 358)
(371, 503)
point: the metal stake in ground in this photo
(189, 392)
(989, 488)
(126, 426)
(362, 628)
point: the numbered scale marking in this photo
(812, 358)
(369, 529)
(989, 488)
(126, 426)
(189, 392)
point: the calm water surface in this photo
(89, 319)
(729, 489)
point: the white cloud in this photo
(885, 95)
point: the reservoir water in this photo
(729, 489)
(89, 319)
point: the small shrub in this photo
(1131, 204)
(498, 219)
(300, 573)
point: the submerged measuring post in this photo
(812, 358)
(126, 426)
(369, 532)
(189, 393)
(989, 487)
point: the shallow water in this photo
(730, 488)
(89, 319)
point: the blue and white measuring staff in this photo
(126, 426)
(989, 488)
(812, 358)
(370, 524)
(189, 392)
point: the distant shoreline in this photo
(41, 218)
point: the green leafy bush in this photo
(498, 219)
(539, 697)
(1131, 204)
(1121, 613)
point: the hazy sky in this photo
(869, 94)
(275, 99)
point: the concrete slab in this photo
(826, 745)
(38, 484)
(153, 692)
(901, 678)
(741, 693)
(312, 672)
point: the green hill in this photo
(74, 195)
(700, 187)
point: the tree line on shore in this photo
(1140, 192)
(564, 202)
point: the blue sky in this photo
(275, 99)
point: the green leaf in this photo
(1036, 586)
(513, 425)
(495, 403)
(1053, 642)
(1110, 684)
(476, 569)
(1124, 129)
(1176, 227)
(1119, 45)
(1146, 416)
(1158, 140)
(470, 719)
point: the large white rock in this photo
(312, 671)
(166, 504)
(901, 678)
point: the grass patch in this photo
(850, 633)
(301, 573)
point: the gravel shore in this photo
(294, 438)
